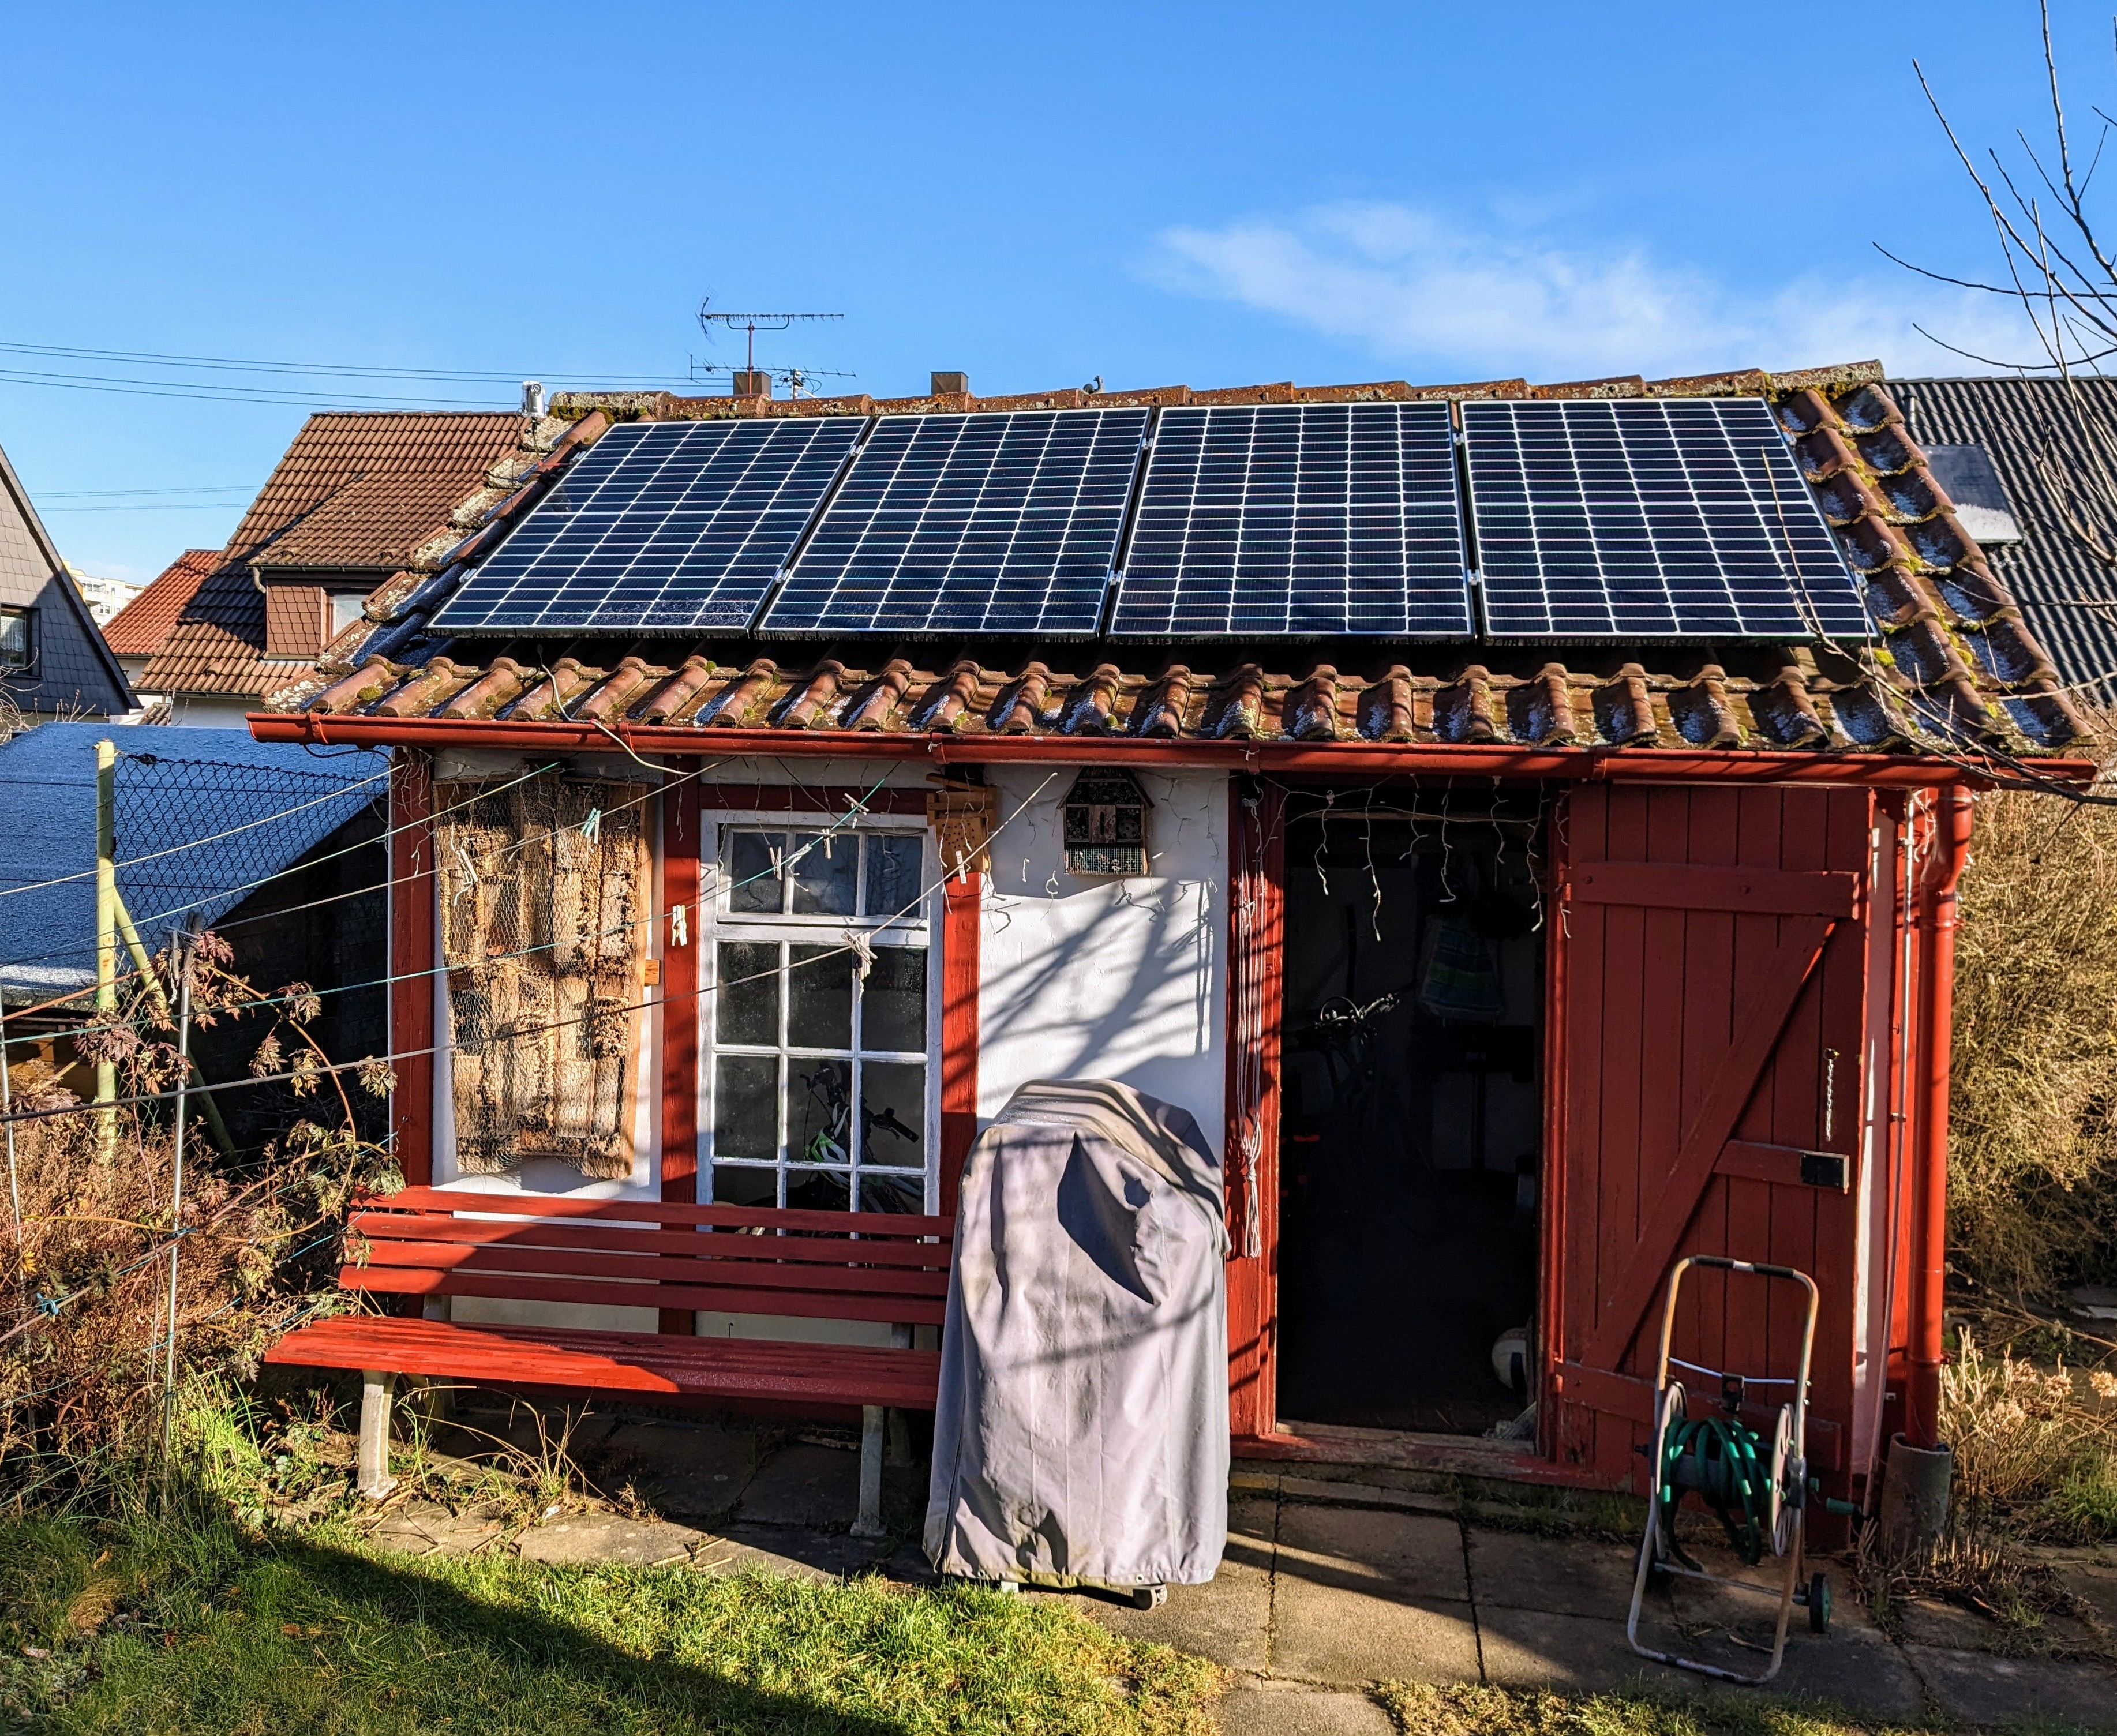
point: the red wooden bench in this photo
(427, 1241)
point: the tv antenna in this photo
(749, 324)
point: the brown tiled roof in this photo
(370, 492)
(138, 629)
(1949, 661)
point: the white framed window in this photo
(819, 1084)
(18, 639)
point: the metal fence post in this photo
(185, 943)
(106, 935)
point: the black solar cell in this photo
(675, 527)
(1299, 518)
(1000, 522)
(1677, 518)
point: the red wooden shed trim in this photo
(411, 896)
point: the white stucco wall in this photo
(1098, 979)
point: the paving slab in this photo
(802, 1483)
(1563, 1576)
(1976, 1687)
(1411, 1554)
(412, 1529)
(683, 1469)
(1327, 1633)
(1229, 1620)
(577, 1538)
(1252, 1707)
(1565, 1652)
(1329, 1491)
(2095, 1579)
(795, 1552)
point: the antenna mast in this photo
(759, 384)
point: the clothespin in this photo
(592, 826)
(679, 930)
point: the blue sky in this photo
(1209, 194)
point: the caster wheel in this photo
(1819, 1604)
(1150, 1597)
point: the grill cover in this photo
(1081, 1434)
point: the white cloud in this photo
(1406, 284)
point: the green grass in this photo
(195, 1624)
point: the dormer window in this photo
(18, 639)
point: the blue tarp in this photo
(262, 805)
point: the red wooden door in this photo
(1706, 1095)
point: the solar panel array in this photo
(1594, 519)
(1649, 516)
(1299, 518)
(1000, 522)
(665, 527)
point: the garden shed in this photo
(1507, 956)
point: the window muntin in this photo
(819, 1074)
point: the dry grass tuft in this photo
(2035, 1448)
(2033, 1130)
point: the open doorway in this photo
(1411, 1122)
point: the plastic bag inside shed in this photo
(1081, 1434)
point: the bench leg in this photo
(900, 1430)
(868, 1524)
(375, 1479)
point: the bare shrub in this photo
(2033, 1447)
(2032, 1135)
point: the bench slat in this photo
(636, 1362)
(811, 1304)
(659, 1270)
(818, 1251)
(867, 1225)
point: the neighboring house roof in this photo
(175, 787)
(74, 671)
(2069, 595)
(1948, 659)
(360, 494)
(139, 629)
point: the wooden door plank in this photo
(1735, 1080)
(1667, 886)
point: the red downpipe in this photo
(1929, 1177)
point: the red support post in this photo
(963, 898)
(682, 934)
(1256, 907)
(411, 961)
(1929, 1176)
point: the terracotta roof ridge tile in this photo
(1018, 707)
(950, 700)
(740, 696)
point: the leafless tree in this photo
(2059, 272)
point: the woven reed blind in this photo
(545, 888)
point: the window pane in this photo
(734, 1185)
(818, 1104)
(746, 1106)
(892, 1114)
(893, 1001)
(824, 879)
(892, 1193)
(819, 997)
(752, 883)
(746, 1004)
(14, 638)
(893, 873)
(818, 1190)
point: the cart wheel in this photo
(1150, 1597)
(1819, 1604)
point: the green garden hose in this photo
(1723, 1460)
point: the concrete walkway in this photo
(1332, 1586)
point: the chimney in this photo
(752, 383)
(532, 399)
(944, 383)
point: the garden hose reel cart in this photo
(1760, 1487)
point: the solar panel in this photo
(1299, 518)
(1677, 517)
(664, 525)
(999, 523)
